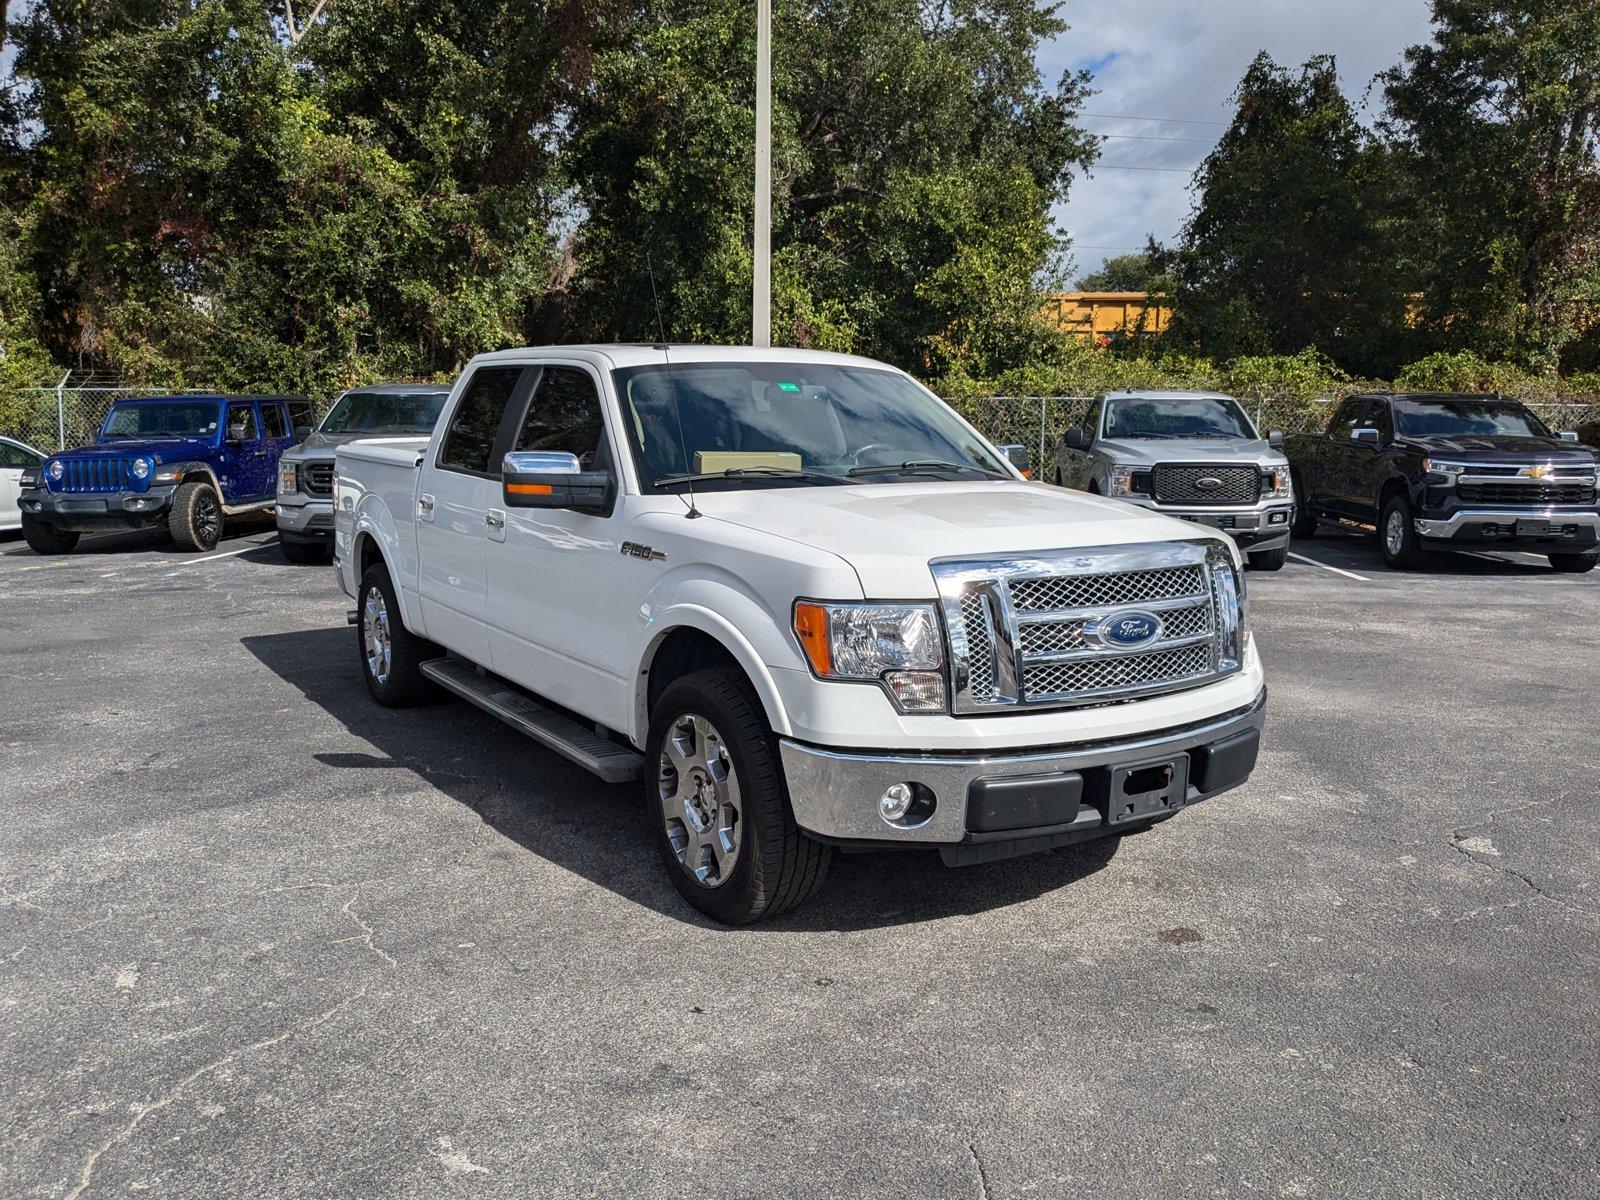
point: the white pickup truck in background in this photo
(802, 601)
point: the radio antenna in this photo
(661, 327)
(677, 415)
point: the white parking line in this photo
(195, 562)
(1326, 567)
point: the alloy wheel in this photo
(1394, 532)
(375, 635)
(700, 799)
(207, 519)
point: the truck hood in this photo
(1489, 448)
(890, 532)
(161, 449)
(1141, 452)
(325, 445)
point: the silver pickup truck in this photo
(1193, 455)
(305, 472)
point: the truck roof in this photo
(1164, 394)
(654, 354)
(389, 389)
(191, 397)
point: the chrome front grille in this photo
(316, 478)
(1202, 484)
(1047, 631)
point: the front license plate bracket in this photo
(1139, 790)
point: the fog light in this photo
(896, 801)
(916, 691)
(1277, 518)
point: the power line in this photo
(1163, 120)
(1116, 167)
(1145, 137)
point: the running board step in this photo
(592, 751)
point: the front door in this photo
(13, 459)
(456, 493)
(556, 578)
(246, 464)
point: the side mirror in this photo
(1366, 434)
(302, 432)
(1075, 440)
(553, 479)
(1275, 438)
(1568, 435)
(1017, 455)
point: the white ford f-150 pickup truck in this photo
(802, 601)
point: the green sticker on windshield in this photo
(788, 387)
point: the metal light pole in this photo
(761, 300)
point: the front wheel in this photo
(195, 520)
(1268, 560)
(1397, 534)
(1573, 564)
(717, 805)
(44, 538)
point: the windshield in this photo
(1447, 418)
(1176, 417)
(155, 418)
(784, 423)
(384, 412)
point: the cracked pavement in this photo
(259, 937)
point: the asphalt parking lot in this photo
(259, 937)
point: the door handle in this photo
(494, 520)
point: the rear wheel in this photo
(304, 553)
(1303, 521)
(195, 520)
(45, 538)
(391, 655)
(1574, 564)
(1268, 560)
(1397, 534)
(717, 805)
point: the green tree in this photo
(1144, 271)
(1285, 247)
(1496, 125)
(917, 157)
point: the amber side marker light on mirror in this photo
(529, 489)
(811, 627)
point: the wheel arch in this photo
(698, 639)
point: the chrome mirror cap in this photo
(541, 462)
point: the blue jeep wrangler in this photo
(184, 462)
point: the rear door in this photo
(276, 430)
(456, 491)
(247, 466)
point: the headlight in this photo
(140, 468)
(1233, 614)
(1277, 481)
(56, 469)
(896, 645)
(1120, 479)
(29, 478)
(288, 479)
(1443, 468)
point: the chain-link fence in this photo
(61, 417)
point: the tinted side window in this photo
(469, 442)
(301, 414)
(272, 418)
(1377, 417)
(1345, 418)
(242, 423)
(563, 415)
(16, 456)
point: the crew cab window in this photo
(16, 456)
(1346, 418)
(563, 415)
(469, 441)
(272, 417)
(242, 423)
(301, 415)
(1377, 417)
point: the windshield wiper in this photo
(926, 467)
(747, 473)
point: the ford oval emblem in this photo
(1208, 483)
(1132, 627)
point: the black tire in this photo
(1397, 534)
(195, 519)
(45, 538)
(1303, 520)
(304, 553)
(1573, 564)
(1268, 560)
(402, 684)
(775, 866)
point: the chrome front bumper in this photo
(1452, 524)
(1263, 525)
(305, 514)
(835, 794)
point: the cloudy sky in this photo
(1183, 59)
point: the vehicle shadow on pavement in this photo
(136, 541)
(1354, 552)
(558, 811)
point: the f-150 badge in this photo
(648, 553)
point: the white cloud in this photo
(1178, 58)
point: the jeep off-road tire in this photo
(304, 554)
(195, 519)
(1574, 564)
(1267, 560)
(391, 656)
(45, 538)
(717, 805)
(1397, 534)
